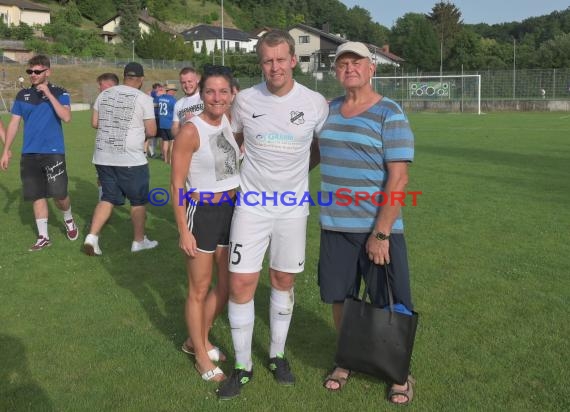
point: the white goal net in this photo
(461, 93)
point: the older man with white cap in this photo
(366, 144)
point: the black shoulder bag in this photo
(376, 341)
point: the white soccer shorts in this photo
(252, 234)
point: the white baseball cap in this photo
(352, 47)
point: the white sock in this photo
(42, 225)
(242, 318)
(280, 314)
(67, 214)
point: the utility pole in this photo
(441, 55)
(514, 67)
(223, 43)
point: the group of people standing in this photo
(365, 143)
(281, 129)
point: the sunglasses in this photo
(30, 71)
(210, 69)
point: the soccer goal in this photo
(460, 93)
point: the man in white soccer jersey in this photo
(189, 105)
(277, 120)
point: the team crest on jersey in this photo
(297, 117)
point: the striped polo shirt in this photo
(354, 154)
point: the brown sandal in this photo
(408, 393)
(335, 378)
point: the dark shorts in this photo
(343, 262)
(43, 176)
(118, 182)
(210, 224)
(165, 134)
(157, 119)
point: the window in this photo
(197, 46)
(304, 59)
(236, 45)
(304, 39)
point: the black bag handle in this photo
(388, 272)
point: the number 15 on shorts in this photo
(235, 254)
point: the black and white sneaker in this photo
(231, 387)
(281, 370)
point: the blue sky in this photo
(386, 12)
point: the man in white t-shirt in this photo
(189, 105)
(277, 121)
(124, 118)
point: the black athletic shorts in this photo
(343, 262)
(43, 176)
(210, 224)
(165, 134)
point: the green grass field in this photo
(489, 252)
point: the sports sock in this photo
(42, 225)
(280, 314)
(242, 317)
(67, 214)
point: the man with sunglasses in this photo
(42, 167)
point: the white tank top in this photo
(215, 165)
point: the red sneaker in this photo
(71, 229)
(40, 244)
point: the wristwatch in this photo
(381, 236)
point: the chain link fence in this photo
(496, 85)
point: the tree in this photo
(465, 52)
(71, 14)
(22, 32)
(129, 24)
(97, 10)
(446, 19)
(158, 44)
(494, 55)
(555, 52)
(413, 38)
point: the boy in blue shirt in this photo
(166, 104)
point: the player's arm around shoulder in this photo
(322, 111)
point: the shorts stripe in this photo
(190, 212)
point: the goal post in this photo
(446, 93)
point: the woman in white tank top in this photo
(204, 179)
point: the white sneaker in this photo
(144, 244)
(91, 245)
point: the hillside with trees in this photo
(428, 42)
